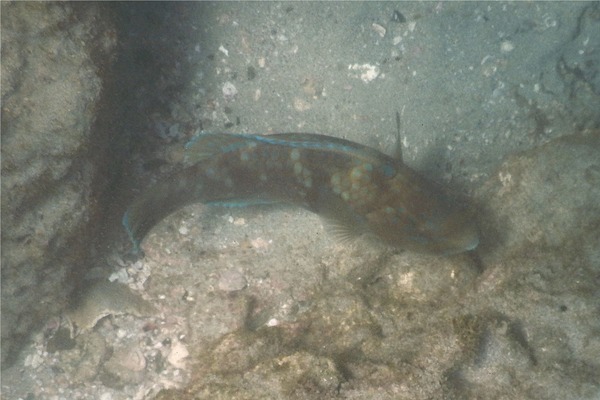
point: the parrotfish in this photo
(357, 189)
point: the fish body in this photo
(357, 189)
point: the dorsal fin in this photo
(206, 144)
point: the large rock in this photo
(53, 58)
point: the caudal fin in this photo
(157, 203)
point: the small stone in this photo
(121, 276)
(229, 91)
(126, 366)
(368, 72)
(224, 50)
(178, 354)
(130, 359)
(134, 360)
(301, 105)
(379, 29)
(33, 360)
(260, 243)
(507, 46)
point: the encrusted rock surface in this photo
(52, 56)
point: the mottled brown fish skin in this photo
(359, 190)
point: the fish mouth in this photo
(468, 241)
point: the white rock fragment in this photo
(507, 46)
(178, 355)
(301, 104)
(260, 243)
(224, 50)
(33, 360)
(183, 230)
(379, 29)
(505, 179)
(229, 90)
(368, 72)
(239, 221)
(120, 276)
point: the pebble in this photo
(260, 243)
(379, 29)
(301, 105)
(224, 50)
(134, 360)
(106, 396)
(368, 72)
(239, 221)
(120, 276)
(33, 360)
(178, 354)
(229, 90)
(129, 359)
(507, 46)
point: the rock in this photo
(51, 57)
(177, 356)
(547, 197)
(106, 298)
(94, 352)
(126, 366)
(300, 375)
(229, 91)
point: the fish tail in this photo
(156, 203)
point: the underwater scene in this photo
(301, 200)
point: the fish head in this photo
(422, 218)
(441, 231)
(450, 231)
